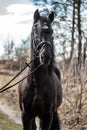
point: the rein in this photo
(6, 87)
(38, 47)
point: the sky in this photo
(16, 20)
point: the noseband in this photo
(40, 45)
(43, 44)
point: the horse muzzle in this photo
(45, 58)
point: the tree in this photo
(22, 53)
(9, 50)
(79, 31)
(69, 19)
(73, 31)
(85, 52)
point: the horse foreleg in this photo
(27, 123)
(33, 125)
(47, 121)
(56, 122)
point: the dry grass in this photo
(73, 111)
(74, 107)
(7, 124)
(10, 97)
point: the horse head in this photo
(42, 39)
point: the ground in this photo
(72, 112)
(7, 124)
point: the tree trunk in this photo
(84, 52)
(72, 32)
(79, 33)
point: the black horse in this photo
(41, 94)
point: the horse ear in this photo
(51, 16)
(36, 15)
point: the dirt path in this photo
(12, 114)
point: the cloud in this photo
(21, 8)
(17, 13)
(16, 22)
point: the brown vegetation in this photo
(74, 70)
(74, 106)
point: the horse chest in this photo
(40, 104)
(40, 99)
(36, 101)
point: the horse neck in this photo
(42, 73)
(42, 70)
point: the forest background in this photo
(70, 39)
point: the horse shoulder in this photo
(24, 84)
